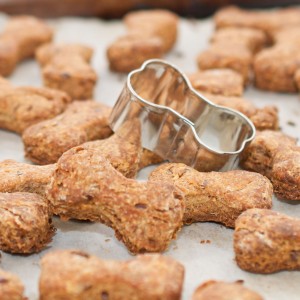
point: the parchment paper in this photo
(202, 261)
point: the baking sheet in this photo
(203, 261)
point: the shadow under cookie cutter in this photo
(178, 123)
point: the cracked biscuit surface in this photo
(76, 275)
(25, 223)
(267, 241)
(216, 196)
(145, 216)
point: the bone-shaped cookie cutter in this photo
(178, 123)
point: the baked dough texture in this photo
(21, 36)
(275, 155)
(25, 223)
(219, 290)
(66, 67)
(266, 241)
(76, 275)
(216, 196)
(11, 287)
(145, 215)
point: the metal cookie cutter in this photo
(178, 123)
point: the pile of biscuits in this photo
(84, 171)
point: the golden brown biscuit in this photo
(266, 241)
(276, 156)
(157, 22)
(66, 68)
(130, 51)
(25, 223)
(262, 118)
(145, 216)
(76, 275)
(11, 287)
(219, 290)
(267, 21)
(22, 107)
(216, 196)
(224, 82)
(275, 68)
(84, 121)
(253, 39)
(22, 177)
(21, 36)
(227, 55)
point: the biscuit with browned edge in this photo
(67, 67)
(21, 36)
(145, 215)
(76, 275)
(219, 290)
(216, 196)
(11, 287)
(84, 121)
(25, 223)
(276, 156)
(266, 241)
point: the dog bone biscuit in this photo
(262, 118)
(66, 68)
(266, 241)
(267, 21)
(227, 55)
(22, 35)
(276, 156)
(275, 68)
(150, 35)
(216, 196)
(219, 290)
(21, 177)
(76, 275)
(130, 51)
(11, 287)
(25, 223)
(252, 39)
(84, 121)
(157, 22)
(224, 82)
(145, 216)
(24, 106)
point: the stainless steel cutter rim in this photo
(186, 120)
